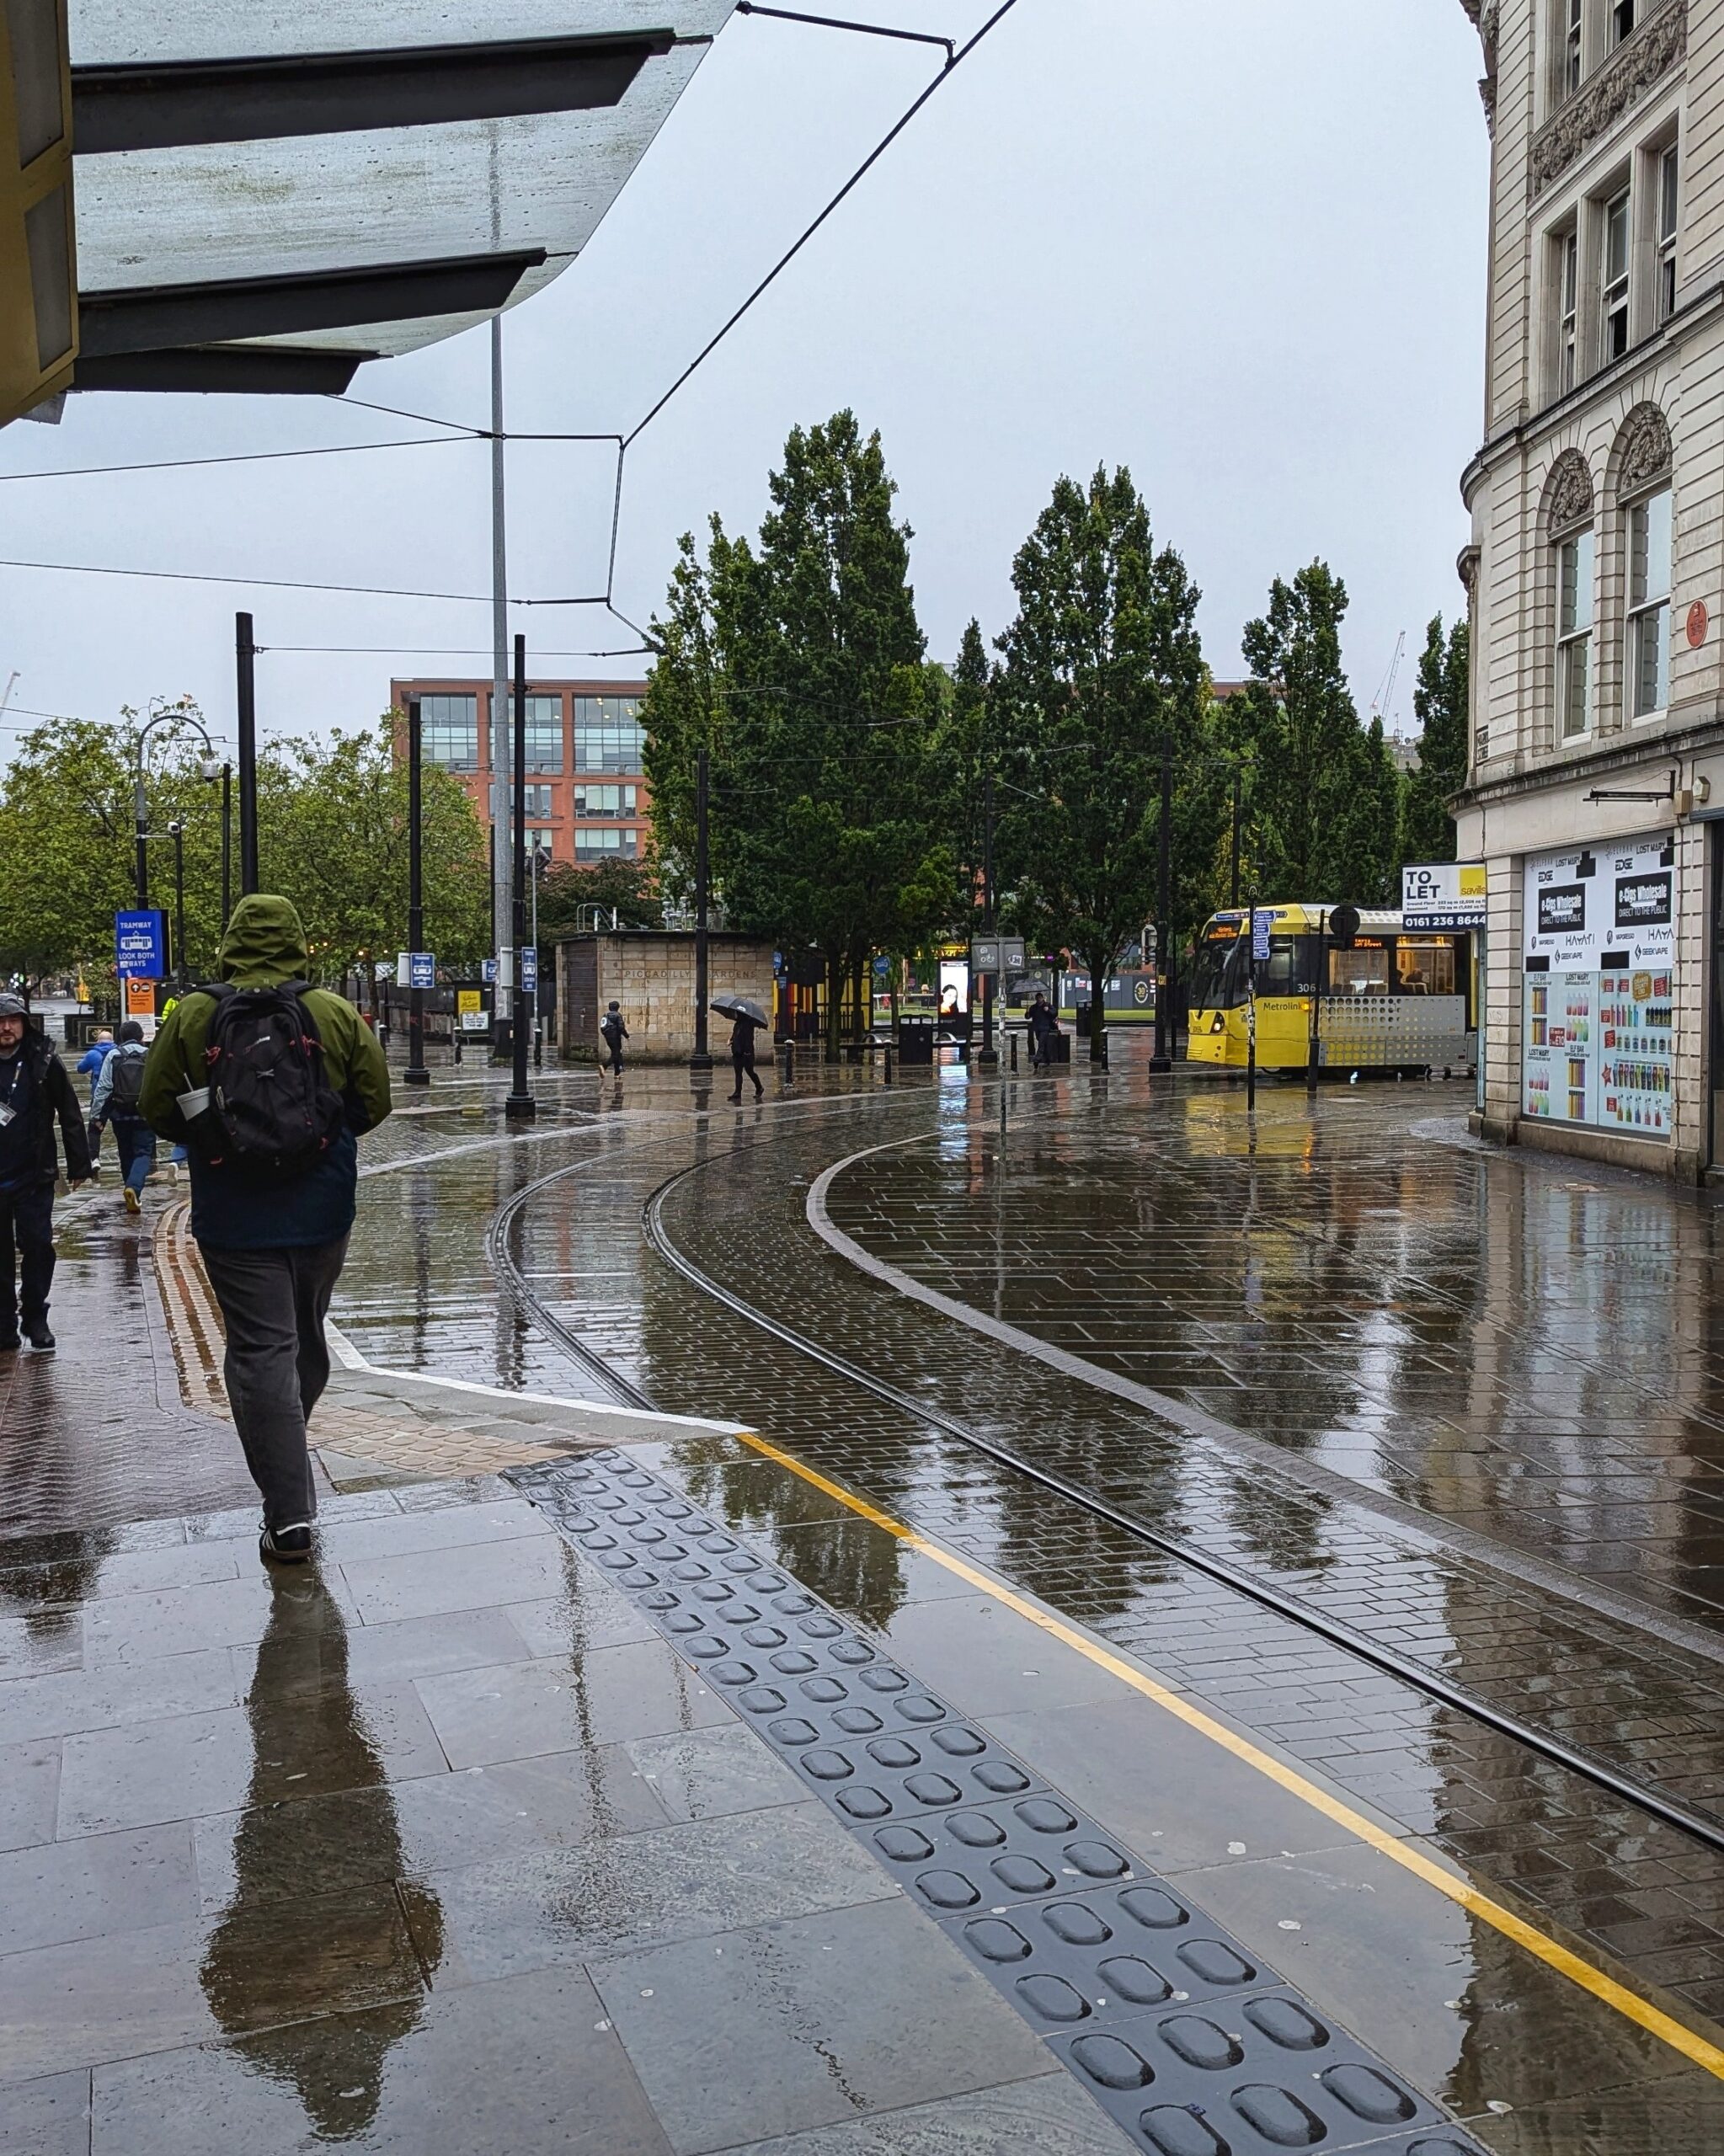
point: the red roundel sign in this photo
(1697, 625)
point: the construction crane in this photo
(1383, 701)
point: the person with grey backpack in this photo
(120, 1085)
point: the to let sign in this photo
(141, 946)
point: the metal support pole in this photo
(245, 652)
(227, 844)
(701, 1059)
(141, 826)
(1311, 1052)
(520, 1106)
(502, 856)
(177, 832)
(987, 1059)
(1162, 1059)
(1251, 1013)
(416, 1074)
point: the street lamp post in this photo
(1162, 1059)
(210, 768)
(701, 1059)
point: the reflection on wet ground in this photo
(1529, 1351)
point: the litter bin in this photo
(1059, 1048)
(915, 1040)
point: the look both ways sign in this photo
(141, 945)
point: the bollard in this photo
(1014, 1051)
(457, 1044)
(888, 1063)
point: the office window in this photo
(1615, 295)
(1622, 19)
(1571, 49)
(1667, 234)
(601, 844)
(544, 734)
(536, 800)
(1574, 634)
(591, 800)
(449, 731)
(607, 734)
(1568, 297)
(1649, 533)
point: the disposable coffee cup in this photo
(194, 1104)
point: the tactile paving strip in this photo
(1193, 2044)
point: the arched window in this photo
(1641, 483)
(1568, 523)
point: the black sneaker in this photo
(286, 1545)
(36, 1330)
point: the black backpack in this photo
(272, 1111)
(125, 1087)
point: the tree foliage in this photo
(568, 891)
(1102, 666)
(1440, 701)
(1325, 792)
(332, 820)
(799, 664)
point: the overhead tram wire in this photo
(239, 457)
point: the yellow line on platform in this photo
(1550, 1952)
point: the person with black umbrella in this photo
(747, 1018)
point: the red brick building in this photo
(586, 797)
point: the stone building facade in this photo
(1595, 579)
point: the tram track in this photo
(1699, 1826)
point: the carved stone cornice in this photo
(1656, 45)
(1483, 15)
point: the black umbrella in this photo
(741, 1006)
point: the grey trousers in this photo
(274, 1303)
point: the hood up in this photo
(265, 943)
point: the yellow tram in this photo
(1395, 999)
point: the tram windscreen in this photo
(1218, 971)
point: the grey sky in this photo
(1238, 247)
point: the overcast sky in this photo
(1239, 247)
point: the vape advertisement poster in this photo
(1601, 960)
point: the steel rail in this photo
(1709, 1832)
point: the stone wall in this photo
(651, 975)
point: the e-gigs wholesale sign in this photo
(1593, 905)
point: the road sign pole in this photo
(1250, 1015)
(245, 653)
(520, 1106)
(701, 1060)
(416, 1074)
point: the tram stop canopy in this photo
(265, 193)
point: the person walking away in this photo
(270, 1084)
(89, 1066)
(120, 1085)
(1043, 1026)
(615, 1034)
(35, 1090)
(742, 1057)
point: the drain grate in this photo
(1190, 2043)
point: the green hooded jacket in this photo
(265, 943)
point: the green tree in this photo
(798, 663)
(1325, 789)
(1103, 664)
(1441, 703)
(966, 749)
(570, 891)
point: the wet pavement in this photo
(1460, 1401)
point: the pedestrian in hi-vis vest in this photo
(269, 1084)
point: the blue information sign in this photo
(1261, 920)
(141, 946)
(488, 969)
(422, 969)
(528, 969)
